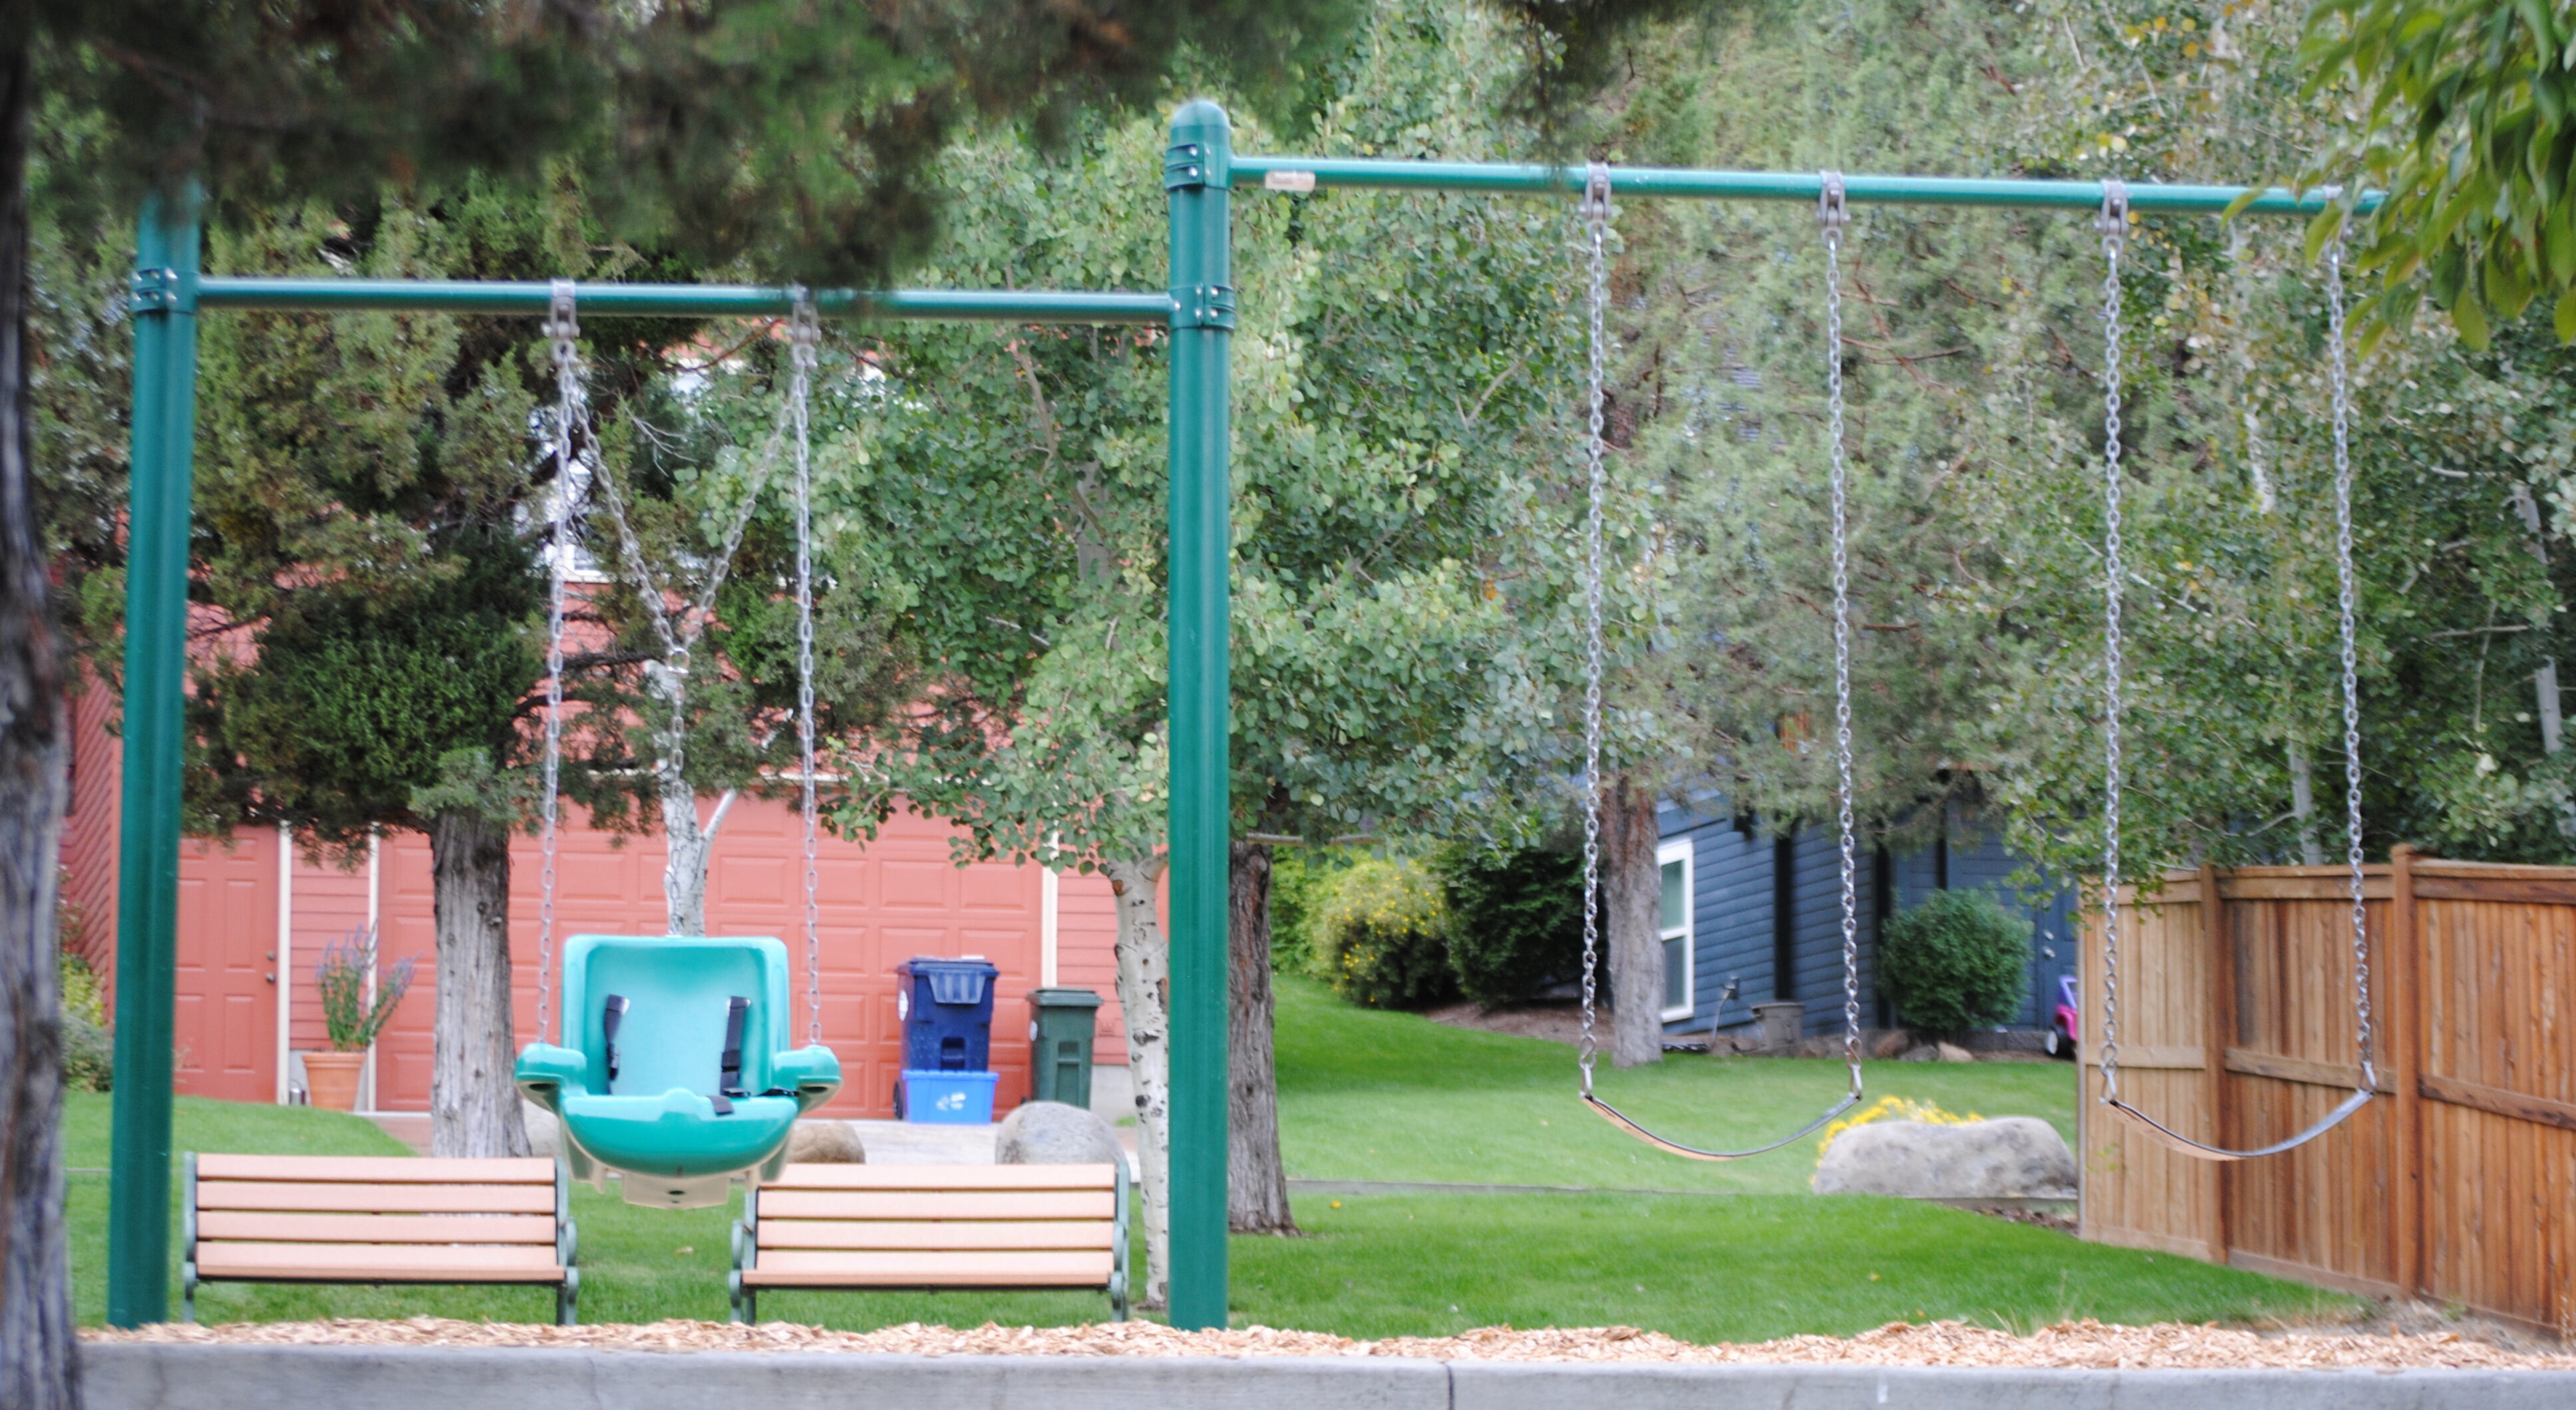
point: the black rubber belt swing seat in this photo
(1831, 215)
(2113, 223)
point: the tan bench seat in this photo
(934, 1226)
(377, 1219)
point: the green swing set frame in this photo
(1200, 170)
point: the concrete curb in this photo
(246, 1377)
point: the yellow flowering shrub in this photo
(1384, 931)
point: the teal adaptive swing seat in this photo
(691, 1083)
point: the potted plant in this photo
(349, 1017)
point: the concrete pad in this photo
(180, 1377)
(145, 1376)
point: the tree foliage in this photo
(1972, 356)
(2467, 124)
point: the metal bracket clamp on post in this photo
(1185, 167)
(162, 290)
(1203, 306)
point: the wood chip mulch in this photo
(2086, 1344)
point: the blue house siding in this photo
(1735, 883)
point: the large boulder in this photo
(543, 1129)
(823, 1142)
(1054, 1133)
(2011, 1157)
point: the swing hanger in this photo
(1831, 216)
(2113, 223)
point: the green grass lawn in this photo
(1374, 1096)
(1387, 1096)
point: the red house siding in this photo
(880, 903)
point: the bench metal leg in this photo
(188, 1292)
(746, 1301)
(568, 1299)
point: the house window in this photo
(1675, 860)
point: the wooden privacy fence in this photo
(2236, 1028)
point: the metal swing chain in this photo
(2346, 603)
(1832, 214)
(564, 329)
(2113, 223)
(804, 340)
(1595, 213)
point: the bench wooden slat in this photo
(943, 1177)
(375, 1199)
(386, 1263)
(1017, 1268)
(378, 1169)
(218, 1225)
(937, 1204)
(933, 1234)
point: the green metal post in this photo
(147, 894)
(1194, 173)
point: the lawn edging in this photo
(150, 1376)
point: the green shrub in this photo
(1385, 936)
(89, 1055)
(1515, 920)
(1301, 880)
(1955, 962)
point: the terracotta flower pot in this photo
(332, 1078)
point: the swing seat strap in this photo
(2185, 1145)
(1628, 1124)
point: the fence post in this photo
(2218, 945)
(2401, 997)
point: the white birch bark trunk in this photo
(473, 1104)
(2303, 805)
(1144, 999)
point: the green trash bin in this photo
(1061, 1023)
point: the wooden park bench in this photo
(377, 1219)
(998, 1227)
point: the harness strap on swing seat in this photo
(612, 1014)
(729, 1064)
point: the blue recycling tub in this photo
(946, 1098)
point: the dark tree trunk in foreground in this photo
(37, 1365)
(1631, 907)
(1256, 1185)
(474, 1108)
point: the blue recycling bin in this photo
(946, 1007)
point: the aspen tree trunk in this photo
(38, 1366)
(473, 1105)
(1256, 1187)
(2303, 805)
(691, 844)
(1631, 902)
(1144, 999)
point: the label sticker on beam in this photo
(1295, 181)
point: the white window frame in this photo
(1680, 850)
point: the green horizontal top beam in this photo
(1291, 173)
(677, 300)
